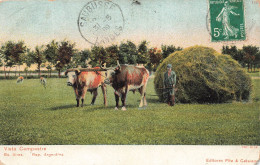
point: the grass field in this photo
(254, 74)
(30, 114)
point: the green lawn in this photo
(30, 114)
(254, 74)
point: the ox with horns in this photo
(124, 78)
(83, 80)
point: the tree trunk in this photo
(50, 73)
(59, 73)
(9, 73)
(19, 69)
(39, 68)
(5, 72)
(26, 73)
(248, 66)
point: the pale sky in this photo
(181, 23)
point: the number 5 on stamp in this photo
(227, 21)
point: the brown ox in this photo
(126, 78)
(84, 80)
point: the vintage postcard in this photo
(129, 82)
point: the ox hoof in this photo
(123, 109)
(116, 108)
(141, 108)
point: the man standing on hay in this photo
(169, 85)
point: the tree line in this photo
(63, 55)
(248, 56)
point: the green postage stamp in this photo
(227, 20)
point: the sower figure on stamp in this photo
(224, 16)
(169, 82)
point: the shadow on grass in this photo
(153, 100)
(110, 107)
(86, 108)
(63, 107)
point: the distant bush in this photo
(205, 76)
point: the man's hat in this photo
(169, 66)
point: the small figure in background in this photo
(20, 80)
(43, 81)
(169, 85)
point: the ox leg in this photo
(117, 100)
(77, 102)
(77, 96)
(143, 98)
(82, 102)
(144, 95)
(103, 87)
(83, 95)
(145, 102)
(95, 93)
(123, 99)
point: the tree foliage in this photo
(155, 58)
(168, 49)
(51, 52)
(38, 57)
(1, 58)
(248, 55)
(28, 58)
(66, 51)
(112, 54)
(98, 56)
(13, 52)
(127, 53)
(80, 59)
(143, 56)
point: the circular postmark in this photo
(100, 22)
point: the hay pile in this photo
(205, 76)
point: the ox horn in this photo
(72, 70)
(105, 69)
(92, 69)
(118, 65)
